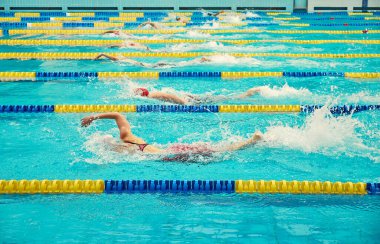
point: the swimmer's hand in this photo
(86, 121)
(257, 137)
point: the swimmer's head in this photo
(141, 92)
(178, 18)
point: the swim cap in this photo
(142, 92)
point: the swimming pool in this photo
(297, 146)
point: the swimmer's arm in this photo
(142, 25)
(249, 92)
(167, 97)
(110, 31)
(121, 121)
(106, 56)
(241, 145)
(155, 26)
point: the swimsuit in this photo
(141, 146)
(188, 152)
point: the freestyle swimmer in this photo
(149, 24)
(126, 43)
(133, 144)
(148, 65)
(134, 62)
(188, 99)
(117, 33)
(131, 44)
(215, 14)
(181, 20)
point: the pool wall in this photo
(345, 5)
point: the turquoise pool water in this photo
(318, 146)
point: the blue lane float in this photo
(373, 188)
(312, 74)
(345, 109)
(79, 24)
(196, 186)
(26, 108)
(190, 74)
(178, 108)
(66, 74)
(35, 19)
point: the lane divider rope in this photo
(194, 19)
(140, 19)
(179, 31)
(92, 55)
(169, 13)
(187, 186)
(25, 25)
(33, 76)
(253, 108)
(40, 42)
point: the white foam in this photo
(308, 63)
(363, 97)
(283, 92)
(233, 19)
(222, 59)
(220, 47)
(322, 133)
(105, 149)
(252, 15)
(196, 34)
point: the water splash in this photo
(195, 34)
(220, 47)
(363, 97)
(323, 133)
(283, 92)
(233, 19)
(251, 15)
(106, 149)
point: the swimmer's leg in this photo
(257, 136)
(106, 56)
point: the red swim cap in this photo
(142, 92)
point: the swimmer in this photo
(134, 62)
(179, 152)
(131, 44)
(148, 65)
(182, 20)
(189, 99)
(118, 33)
(149, 23)
(215, 14)
(204, 60)
(127, 60)
(365, 31)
